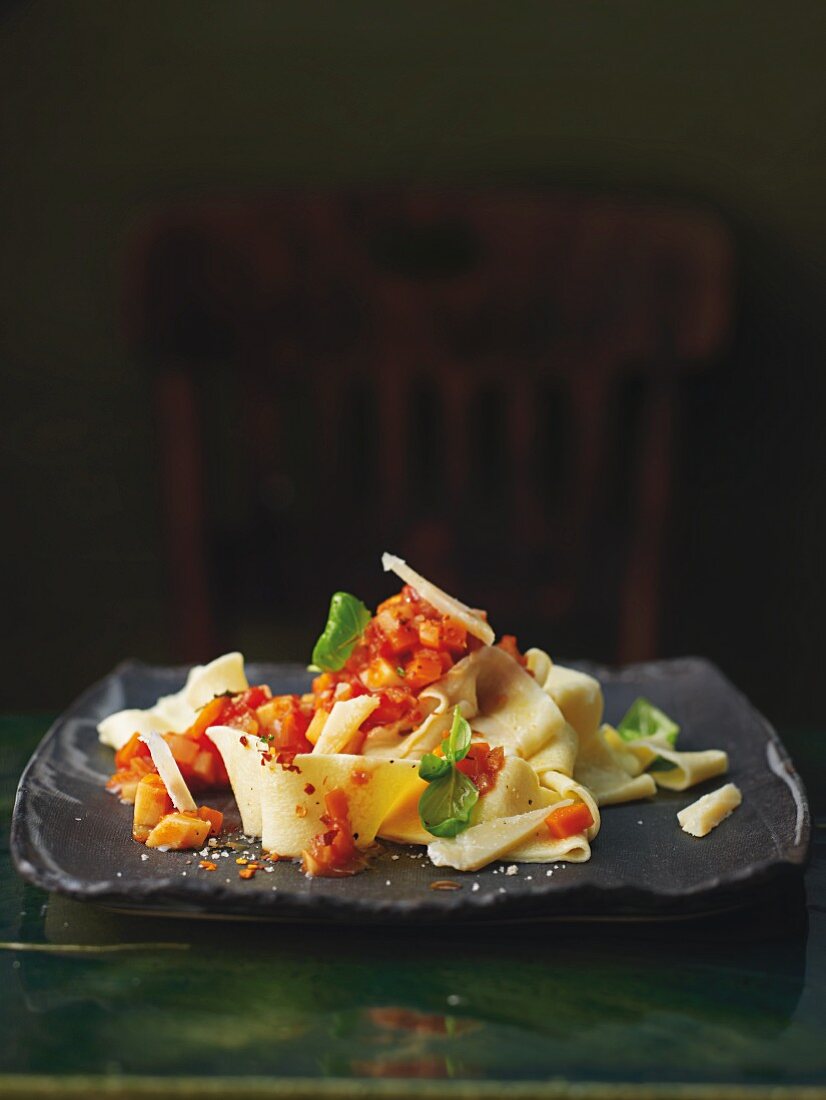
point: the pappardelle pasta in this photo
(420, 728)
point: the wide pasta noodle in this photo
(563, 786)
(505, 705)
(688, 768)
(342, 729)
(242, 759)
(600, 770)
(578, 695)
(503, 837)
(292, 799)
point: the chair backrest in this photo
(455, 375)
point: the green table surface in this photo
(97, 1003)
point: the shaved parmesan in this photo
(341, 728)
(707, 812)
(169, 772)
(448, 605)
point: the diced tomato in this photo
(212, 714)
(442, 635)
(133, 747)
(214, 817)
(399, 635)
(569, 820)
(483, 764)
(395, 705)
(283, 723)
(184, 749)
(424, 668)
(333, 853)
(509, 644)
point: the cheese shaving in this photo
(448, 605)
(699, 818)
(169, 772)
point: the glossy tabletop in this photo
(99, 1003)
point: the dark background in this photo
(110, 111)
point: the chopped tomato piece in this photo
(212, 714)
(333, 853)
(509, 644)
(442, 635)
(133, 747)
(214, 817)
(284, 722)
(425, 668)
(184, 749)
(483, 764)
(569, 820)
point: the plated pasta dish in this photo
(421, 728)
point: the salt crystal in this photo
(549, 872)
(454, 999)
(144, 855)
(475, 887)
(512, 870)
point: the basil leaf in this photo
(433, 767)
(446, 804)
(345, 624)
(457, 743)
(643, 719)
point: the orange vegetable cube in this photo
(133, 747)
(569, 820)
(209, 715)
(151, 804)
(179, 830)
(204, 768)
(423, 669)
(214, 817)
(184, 749)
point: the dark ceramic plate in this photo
(70, 836)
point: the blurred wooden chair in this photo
(485, 382)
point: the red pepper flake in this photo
(445, 884)
(247, 872)
(361, 777)
(309, 789)
(208, 865)
(285, 759)
(243, 740)
(300, 811)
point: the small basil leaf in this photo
(345, 624)
(643, 719)
(458, 740)
(432, 767)
(446, 804)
